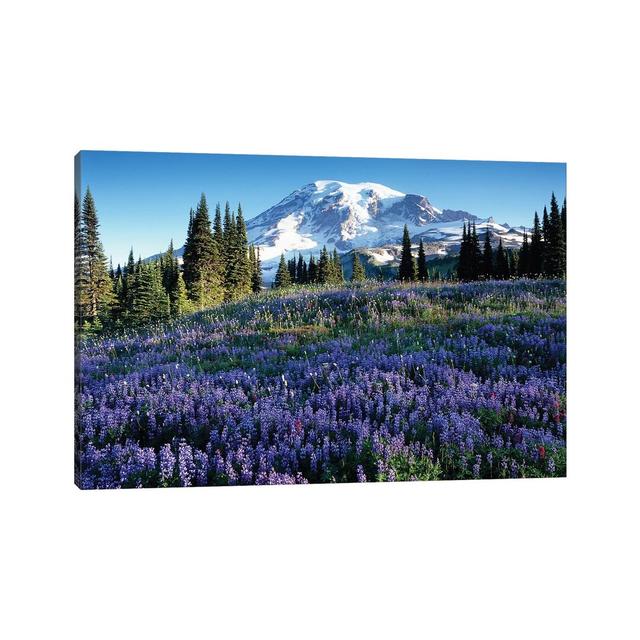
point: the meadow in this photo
(371, 382)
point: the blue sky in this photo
(143, 199)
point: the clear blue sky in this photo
(143, 199)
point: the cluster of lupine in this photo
(372, 383)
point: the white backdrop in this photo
(461, 80)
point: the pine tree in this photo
(486, 264)
(238, 272)
(324, 267)
(476, 255)
(523, 259)
(96, 292)
(422, 271)
(546, 241)
(554, 244)
(337, 276)
(300, 270)
(256, 274)
(201, 261)
(283, 275)
(406, 271)
(358, 273)
(79, 261)
(536, 249)
(312, 273)
(502, 263)
(464, 271)
(305, 272)
(218, 232)
(180, 303)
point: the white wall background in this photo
(465, 80)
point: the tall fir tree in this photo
(536, 249)
(357, 272)
(201, 261)
(406, 270)
(283, 275)
(337, 276)
(238, 271)
(475, 254)
(523, 259)
(96, 291)
(312, 273)
(324, 267)
(464, 259)
(502, 263)
(256, 273)
(486, 263)
(423, 273)
(554, 244)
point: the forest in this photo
(220, 265)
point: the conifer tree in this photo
(358, 273)
(523, 259)
(79, 261)
(201, 261)
(406, 270)
(238, 272)
(256, 274)
(312, 273)
(554, 245)
(283, 275)
(305, 272)
(218, 232)
(464, 272)
(486, 264)
(423, 274)
(546, 240)
(336, 268)
(502, 263)
(324, 267)
(300, 270)
(96, 291)
(536, 249)
(180, 303)
(475, 255)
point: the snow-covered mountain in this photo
(344, 216)
(357, 216)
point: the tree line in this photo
(218, 265)
(543, 255)
(327, 269)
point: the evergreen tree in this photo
(421, 264)
(476, 255)
(555, 248)
(79, 261)
(201, 261)
(502, 263)
(324, 267)
(486, 264)
(238, 271)
(464, 270)
(523, 258)
(312, 274)
(218, 232)
(536, 249)
(406, 271)
(305, 272)
(546, 240)
(96, 289)
(358, 273)
(180, 303)
(300, 270)
(256, 274)
(283, 275)
(337, 276)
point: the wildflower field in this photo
(378, 382)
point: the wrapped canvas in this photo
(293, 320)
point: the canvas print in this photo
(249, 320)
